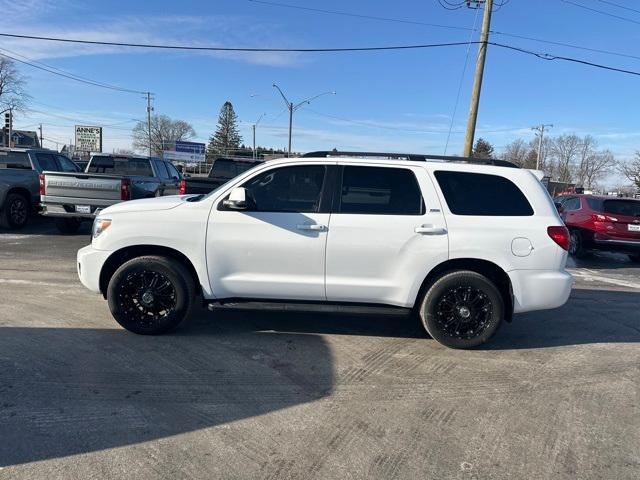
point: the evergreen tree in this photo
(482, 149)
(227, 137)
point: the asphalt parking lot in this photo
(554, 395)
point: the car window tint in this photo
(287, 189)
(67, 165)
(571, 204)
(482, 194)
(629, 208)
(162, 169)
(594, 203)
(173, 172)
(47, 162)
(380, 191)
(15, 160)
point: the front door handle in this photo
(313, 226)
(428, 229)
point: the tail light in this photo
(125, 189)
(183, 187)
(43, 190)
(560, 235)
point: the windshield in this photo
(630, 208)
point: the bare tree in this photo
(565, 149)
(12, 86)
(597, 166)
(164, 133)
(631, 170)
(518, 152)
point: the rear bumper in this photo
(539, 289)
(89, 264)
(54, 206)
(61, 211)
(602, 243)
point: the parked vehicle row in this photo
(464, 243)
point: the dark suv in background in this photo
(601, 223)
(19, 181)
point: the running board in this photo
(292, 306)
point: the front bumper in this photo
(89, 264)
(539, 289)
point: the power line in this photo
(70, 76)
(544, 56)
(230, 49)
(619, 6)
(601, 12)
(437, 25)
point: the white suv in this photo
(465, 243)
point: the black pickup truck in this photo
(223, 170)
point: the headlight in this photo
(100, 225)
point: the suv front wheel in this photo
(151, 295)
(462, 309)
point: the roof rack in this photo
(414, 157)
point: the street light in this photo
(253, 127)
(293, 107)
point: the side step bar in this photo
(275, 306)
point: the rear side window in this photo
(15, 160)
(380, 191)
(630, 208)
(481, 194)
(47, 162)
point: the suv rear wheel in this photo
(576, 245)
(462, 309)
(15, 211)
(151, 295)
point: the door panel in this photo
(383, 258)
(272, 254)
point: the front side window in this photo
(287, 189)
(482, 194)
(162, 169)
(173, 173)
(18, 160)
(380, 191)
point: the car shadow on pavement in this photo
(66, 391)
(590, 316)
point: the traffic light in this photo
(7, 120)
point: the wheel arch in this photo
(117, 258)
(20, 191)
(484, 267)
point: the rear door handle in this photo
(313, 226)
(429, 229)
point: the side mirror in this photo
(237, 199)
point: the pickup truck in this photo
(19, 183)
(222, 170)
(107, 180)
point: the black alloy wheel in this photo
(16, 211)
(462, 309)
(150, 295)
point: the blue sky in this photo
(398, 101)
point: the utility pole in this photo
(293, 107)
(40, 128)
(540, 134)
(10, 126)
(477, 81)
(253, 127)
(149, 110)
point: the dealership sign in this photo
(88, 139)
(188, 152)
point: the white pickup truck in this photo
(464, 243)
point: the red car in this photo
(601, 223)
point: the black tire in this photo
(462, 309)
(15, 211)
(68, 225)
(635, 258)
(137, 301)
(576, 244)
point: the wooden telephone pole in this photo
(477, 82)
